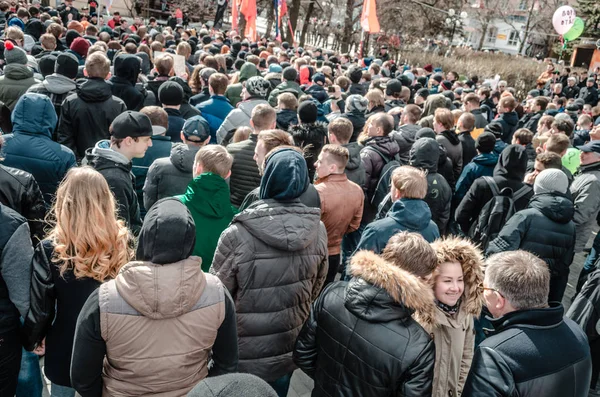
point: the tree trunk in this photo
(294, 12)
(348, 22)
(484, 28)
(309, 12)
(526, 27)
(270, 18)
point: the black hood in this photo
(146, 64)
(511, 118)
(451, 136)
(94, 90)
(354, 161)
(512, 163)
(128, 67)
(170, 223)
(555, 207)
(425, 154)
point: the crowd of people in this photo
(188, 212)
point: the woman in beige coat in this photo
(458, 298)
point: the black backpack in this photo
(495, 213)
(385, 177)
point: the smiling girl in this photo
(458, 298)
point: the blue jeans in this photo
(30, 376)
(282, 385)
(349, 244)
(62, 391)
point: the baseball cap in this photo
(593, 146)
(130, 123)
(196, 127)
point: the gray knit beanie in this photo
(14, 54)
(551, 181)
(356, 103)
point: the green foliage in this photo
(589, 11)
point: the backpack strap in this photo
(492, 184)
(385, 158)
(521, 192)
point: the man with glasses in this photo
(533, 349)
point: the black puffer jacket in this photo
(86, 116)
(170, 176)
(123, 83)
(439, 194)
(311, 138)
(509, 172)
(535, 352)
(361, 339)
(405, 137)
(358, 121)
(244, 171)
(355, 171)
(20, 192)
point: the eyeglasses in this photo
(482, 288)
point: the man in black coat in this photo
(589, 93)
(507, 117)
(533, 349)
(86, 116)
(127, 67)
(465, 125)
(131, 136)
(364, 326)
(539, 107)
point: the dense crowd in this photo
(187, 212)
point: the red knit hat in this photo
(80, 46)
(428, 68)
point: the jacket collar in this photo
(332, 178)
(548, 317)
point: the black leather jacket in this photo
(535, 352)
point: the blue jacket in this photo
(214, 110)
(482, 165)
(161, 147)
(30, 146)
(499, 146)
(411, 215)
(176, 122)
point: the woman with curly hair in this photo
(86, 246)
(458, 296)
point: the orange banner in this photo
(368, 19)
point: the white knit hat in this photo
(551, 181)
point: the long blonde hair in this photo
(87, 236)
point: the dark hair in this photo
(564, 126)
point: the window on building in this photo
(523, 5)
(492, 32)
(513, 39)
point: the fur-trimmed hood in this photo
(391, 288)
(470, 257)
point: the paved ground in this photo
(302, 385)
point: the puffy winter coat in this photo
(361, 339)
(450, 141)
(215, 110)
(286, 86)
(286, 118)
(373, 161)
(20, 192)
(86, 116)
(244, 171)
(239, 117)
(439, 194)
(30, 146)
(318, 93)
(312, 137)
(509, 123)
(482, 165)
(585, 190)
(161, 148)
(14, 83)
(355, 171)
(509, 172)
(127, 67)
(170, 176)
(519, 357)
(585, 311)
(405, 137)
(253, 259)
(57, 87)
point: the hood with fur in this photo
(391, 282)
(460, 250)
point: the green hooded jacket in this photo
(207, 198)
(234, 91)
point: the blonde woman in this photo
(86, 246)
(458, 297)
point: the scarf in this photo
(447, 308)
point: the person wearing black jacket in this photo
(571, 91)
(15, 279)
(509, 172)
(309, 134)
(533, 349)
(131, 134)
(507, 117)
(365, 326)
(589, 93)
(539, 107)
(129, 340)
(86, 116)
(545, 229)
(465, 125)
(127, 67)
(65, 9)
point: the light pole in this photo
(454, 21)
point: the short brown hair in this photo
(508, 102)
(521, 277)
(550, 160)
(558, 143)
(288, 100)
(155, 46)
(48, 41)
(444, 117)
(342, 129)
(91, 30)
(97, 65)
(542, 102)
(410, 181)
(344, 82)
(411, 252)
(546, 121)
(524, 136)
(384, 121)
(467, 120)
(184, 49)
(14, 33)
(164, 64)
(157, 115)
(471, 98)
(241, 134)
(218, 82)
(338, 154)
(215, 159)
(412, 113)
(564, 126)
(263, 117)
(375, 98)
(274, 138)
